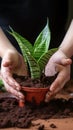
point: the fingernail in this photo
(47, 97)
(16, 84)
(46, 100)
(21, 96)
(18, 88)
(52, 88)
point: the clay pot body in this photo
(35, 94)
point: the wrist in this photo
(62, 53)
(5, 44)
(65, 52)
(67, 44)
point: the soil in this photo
(28, 82)
(11, 115)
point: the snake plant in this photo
(2, 88)
(37, 55)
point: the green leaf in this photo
(2, 88)
(38, 55)
(1, 83)
(45, 58)
(34, 67)
(26, 49)
(21, 39)
(42, 42)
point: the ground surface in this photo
(58, 114)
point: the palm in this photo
(60, 64)
(12, 63)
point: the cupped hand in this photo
(60, 64)
(12, 62)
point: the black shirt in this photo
(28, 17)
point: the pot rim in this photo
(35, 89)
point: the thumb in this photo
(6, 63)
(66, 61)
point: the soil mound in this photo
(11, 115)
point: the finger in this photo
(6, 63)
(60, 81)
(13, 91)
(10, 81)
(49, 96)
(66, 61)
(58, 84)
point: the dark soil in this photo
(11, 115)
(28, 82)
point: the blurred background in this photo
(29, 17)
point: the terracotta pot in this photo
(34, 94)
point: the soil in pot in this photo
(37, 83)
(35, 90)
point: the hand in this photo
(12, 62)
(60, 64)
